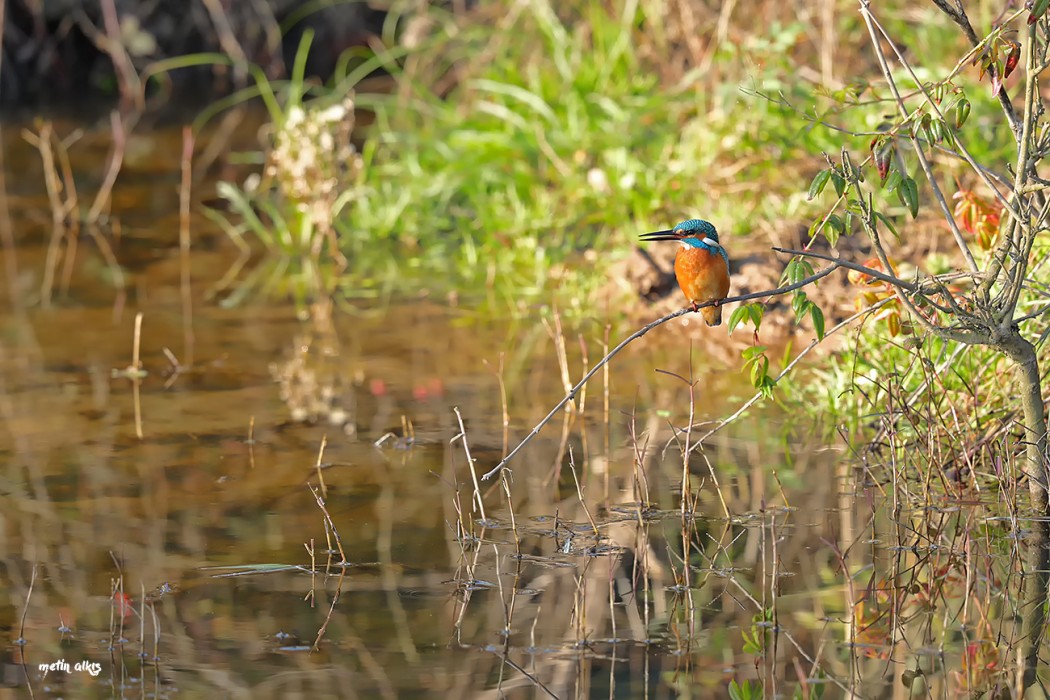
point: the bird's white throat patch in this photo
(699, 243)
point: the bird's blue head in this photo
(697, 229)
(695, 233)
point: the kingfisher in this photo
(701, 265)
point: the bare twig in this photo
(470, 463)
(184, 244)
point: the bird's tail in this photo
(712, 314)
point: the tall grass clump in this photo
(515, 145)
(520, 151)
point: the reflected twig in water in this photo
(120, 126)
(330, 532)
(317, 466)
(329, 527)
(312, 551)
(21, 641)
(250, 442)
(579, 494)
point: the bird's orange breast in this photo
(703, 276)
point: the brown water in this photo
(182, 547)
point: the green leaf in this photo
(798, 303)
(962, 112)
(833, 229)
(759, 369)
(893, 180)
(756, 311)
(737, 316)
(909, 194)
(813, 228)
(748, 691)
(749, 354)
(948, 135)
(1038, 10)
(797, 272)
(839, 183)
(818, 320)
(820, 181)
(882, 217)
(752, 311)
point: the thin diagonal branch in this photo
(638, 334)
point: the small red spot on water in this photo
(123, 603)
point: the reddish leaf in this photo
(1011, 60)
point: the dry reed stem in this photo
(338, 588)
(331, 525)
(579, 494)
(606, 421)
(184, 245)
(251, 442)
(510, 509)
(25, 610)
(311, 549)
(113, 44)
(504, 409)
(42, 142)
(228, 40)
(136, 379)
(317, 465)
(116, 161)
(142, 620)
(470, 463)
(7, 236)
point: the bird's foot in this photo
(695, 307)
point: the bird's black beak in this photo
(668, 235)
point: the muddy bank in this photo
(57, 51)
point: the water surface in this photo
(283, 506)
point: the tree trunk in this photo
(1034, 464)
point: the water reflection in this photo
(300, 515)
